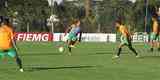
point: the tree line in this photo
(33, 14)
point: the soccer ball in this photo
(61, 49)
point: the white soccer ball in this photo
(61, 49)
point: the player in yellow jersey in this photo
(158, 13)
(125, 39)
(155, 31)
(7, 45)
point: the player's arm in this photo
(67, 30)
(156, 25)
(124, 33)
(13, 40)
(14, 44)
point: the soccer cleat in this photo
(21, 70)
(115, 57)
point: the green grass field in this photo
(89, 61)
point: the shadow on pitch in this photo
(150, 57)
(104, 53)
(32, 69)
(49, 54)
(40, 54)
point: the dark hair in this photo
(155, 16)
(6, 20)
(118, 21)
(1, 19)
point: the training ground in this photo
(89, 61)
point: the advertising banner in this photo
(34, 37)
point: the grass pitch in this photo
(89, 61)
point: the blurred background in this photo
(97, 16)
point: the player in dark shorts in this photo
(125, 39)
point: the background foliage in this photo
(34, 13)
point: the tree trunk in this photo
(87, 7)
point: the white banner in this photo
(86, 37)
(140, 37)
(91, 37)
(98, 37)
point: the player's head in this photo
(77, 22)
(154, 17)
(1, 19)
(118, 23)
(5, 21)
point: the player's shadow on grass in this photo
(40, 54)
(32, 69)
(105, 53)
(150, 57)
